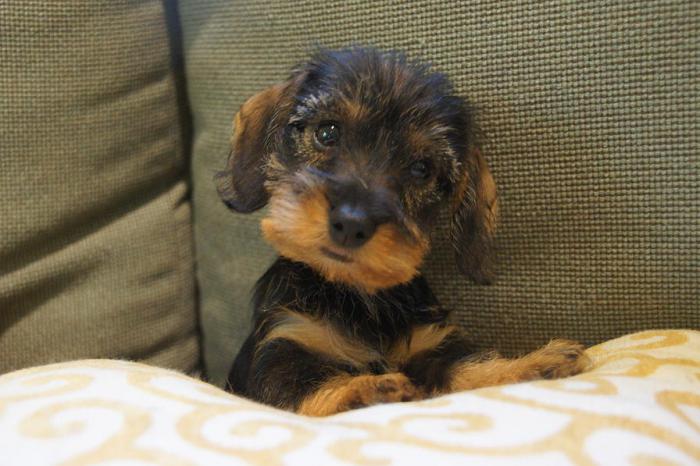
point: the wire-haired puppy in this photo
(356, 153)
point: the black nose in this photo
(350, 225)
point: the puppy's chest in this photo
(371, 331)
(382, 344)
(376, 335)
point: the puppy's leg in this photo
(285, 374)
(450, 366)
(560, 358)
(346, 392)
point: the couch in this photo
(114, 247)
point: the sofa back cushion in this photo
(590, 113)
(95, 253)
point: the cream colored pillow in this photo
(639, 405)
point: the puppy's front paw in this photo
(357, 392)
(386, 388)
(560, 358)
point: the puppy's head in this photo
(356, 153)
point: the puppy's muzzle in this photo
(355, 211)
(350, 225)
(356, 206)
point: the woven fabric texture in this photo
(591, 115)
(95, 226)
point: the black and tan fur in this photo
(355, 154)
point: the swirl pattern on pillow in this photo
(638, 405)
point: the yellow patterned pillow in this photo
(639, 405)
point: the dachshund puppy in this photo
(356, 153)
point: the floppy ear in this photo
(242, 184)
(474, 215)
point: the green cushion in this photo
(95, 254)
(590, 110)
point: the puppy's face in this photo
(355, 154)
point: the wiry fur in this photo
(340, 326)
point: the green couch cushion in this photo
(591, 115)
(95, 227)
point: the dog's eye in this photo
(327, 134)
(420, 170)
